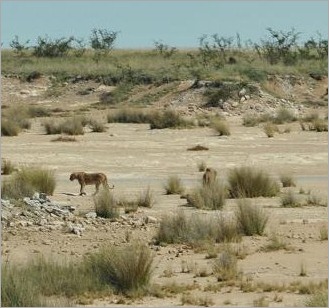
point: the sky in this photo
(176, 23)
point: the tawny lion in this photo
(90, 179)
(209, 176)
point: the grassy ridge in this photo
(147, 66)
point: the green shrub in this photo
(287, 180)
(127, 268)
(225, 267)
(146, 198)
(248, 182)
(174, 185)
(251, 218)
(211, 197)
(221, 127)
(105, 205)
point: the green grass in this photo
(251, 218)
(249, 182)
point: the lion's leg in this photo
(97, 188)
(82, 186)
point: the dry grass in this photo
(146, 198)
(221, 127)
(289, 199)
(7, 167)
(105, 205)
(251, 218)
(225, 267)
(198, 148)
(64, 139)
(248, 182)
(202, 166)
(174, 185)
(287, 180)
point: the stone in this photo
(151, 220)
(91, 215)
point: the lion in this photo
(90, 179)
(209, 176)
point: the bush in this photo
(250, 120)
(9, 128)
(72, 126)
(319, 299)
(128, 116)
(251, 219)
(51, 127)
(7, 167)
(289, 200)
(225, 267)
(97, 127)
(221, 127)
(202, 166)
(287, 180)
(146, 199)
(247, 182)
(27, 181)
(128, 269)
(167, 119)
(105, 205)
(174, 185)
(211, 197)
(270, 129)
(53, 48)
(284, 115)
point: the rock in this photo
(242, 92)
(91, 215)
(151, 220)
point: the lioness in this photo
(90, 179)
(209, 176)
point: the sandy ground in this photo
(135, 157)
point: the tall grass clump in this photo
(27, 181)
(251, 218)
(51, 127)
(128, 115)
(284, 115)
(319, 299)
(72, 126)
(250, 120)
(127, 268)
(167, 119)
(105, 204)
(269, 129)
(9, 128)
(211, 197)
(287, 180)
(7, 167)
(225, 267)
(97, 126)
(289, 199)
(174, 185)
(248, 182)
(221, 127)
(146, 198)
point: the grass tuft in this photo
(174, 185)
(247, 182)
(105, 205)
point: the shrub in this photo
(319, 299)
(128, 116)
(9, 128)
(250, 120)
(284, 115)
(72, 126)
(146, 198)
(174, 185)
(210, 197)
(167, 119)
(105, 205)
(34, 111)
(52, 48)
(323, 233)
(319, 125)
(270, 129)
(7, 167)
(289, 199)
(287, 180)
(227, 230)
(27, 181)
(128, 269)
(97, 127)
(225, 267)
(251, 219)
(247, 182)
(51, 127)
(221, 127)
(275, 244)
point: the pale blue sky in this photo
(177, 23)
